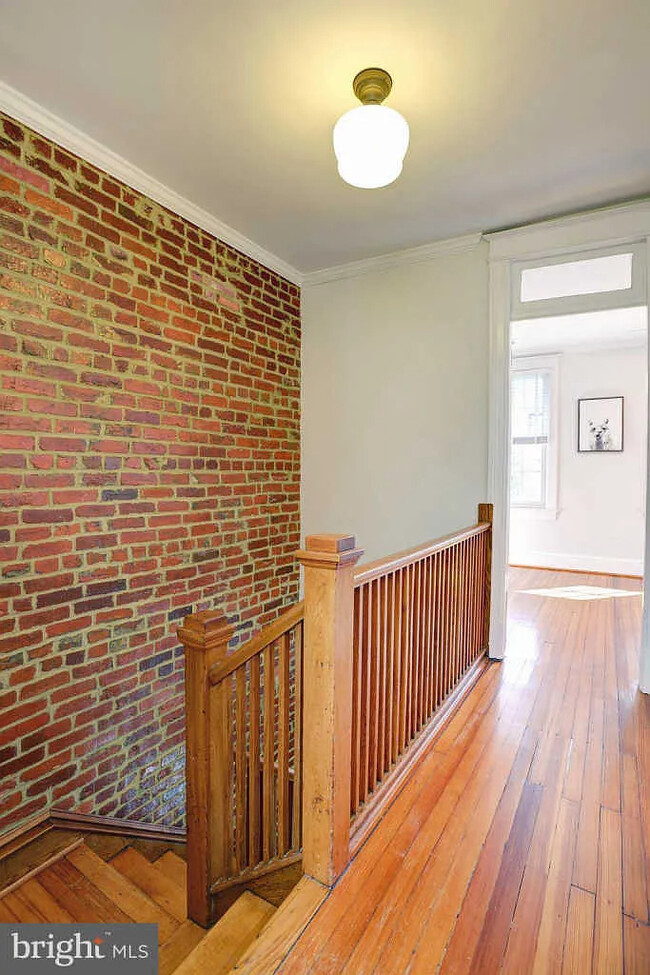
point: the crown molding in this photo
(40, 119)
(411, 255)
(600, 227)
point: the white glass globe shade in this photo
(370, 143)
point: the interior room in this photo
(324, 645)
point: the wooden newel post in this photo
(205, 636)
(329, 561)
(486, 514)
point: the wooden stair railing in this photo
(243, 765)
(389, 648)
(375, 659)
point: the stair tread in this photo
(184, 940)
(123, 892)
(33, 855)
(152, 881)
(41, 900)
(174, 868)
(264, 954)
(63, 878)
(229, 938)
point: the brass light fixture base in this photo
(372, 86)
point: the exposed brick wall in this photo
(149, 466)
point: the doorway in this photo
(573, 266)
(578, 401)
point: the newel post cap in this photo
(205, 630)
(329, 551)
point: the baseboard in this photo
(594, 564)
(35, 825)
(120, 827)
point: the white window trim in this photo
(550, 364)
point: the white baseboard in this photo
(579, 563)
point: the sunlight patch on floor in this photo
(581, 592)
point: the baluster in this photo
(296, 820)
(405, 649)
(397, 649)
(438, 629)
(283, 745)
(240, 768)
(365, 694)
(429, 617)
(356, 701)
(254, 806)
(268, 774)
(381, 646)
(373, 716)
(390, 653)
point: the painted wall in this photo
(600, 524)
(149, 467)
(395, 401)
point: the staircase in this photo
(64, 877)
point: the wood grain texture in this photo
(218, 951)
(517, 845)
(267, 952)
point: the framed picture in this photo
(600, 424)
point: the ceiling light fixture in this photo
(370, 142)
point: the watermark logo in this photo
(82, 949)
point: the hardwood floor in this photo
(521, 843)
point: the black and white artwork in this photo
(600, 424)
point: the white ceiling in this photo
(518, 110)
(617, 328)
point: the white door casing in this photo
(575, 235)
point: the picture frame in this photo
(600, 424)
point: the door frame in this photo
(611, 227)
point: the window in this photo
(531, 429)
(593, 276)
(580, 282)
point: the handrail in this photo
(372, 657)
(268, 635)
(243, 756)
(380, 567)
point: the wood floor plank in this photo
(550, 938)
(496, 926)
(608, 934)
(635, 892)
(579, 938)
(467, 931)
(636, 937)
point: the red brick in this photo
(138, 409)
